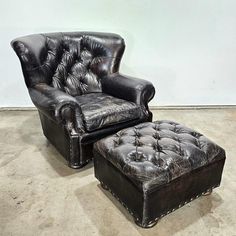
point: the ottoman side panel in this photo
(182, 190)
(119, 185)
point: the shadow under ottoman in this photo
(156, 167)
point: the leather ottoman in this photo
(156, 167)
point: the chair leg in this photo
(77, 166)
(71, 165)
(146, 226)
(208, 192)
(104, 186)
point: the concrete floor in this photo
(40, 195)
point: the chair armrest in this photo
(128, 88)
(57, 105)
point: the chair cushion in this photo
(153, 154)
(101, 110)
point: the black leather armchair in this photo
(74, 82)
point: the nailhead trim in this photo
(70, 149)
(71, 154)
(162, 215)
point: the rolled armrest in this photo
(128, 88)
(56, 104)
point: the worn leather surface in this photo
(132, 89)
(72, 62)
(60, 67)
(101, 110)
(152, 154)
(147, 206)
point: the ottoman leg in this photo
(145, 226)
(208, 192)
(104, 186)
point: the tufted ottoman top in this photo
(154, 153)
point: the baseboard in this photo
(194, 107)
(18, 109)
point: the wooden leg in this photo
(146, 226)
(104, 186)
(208, 192)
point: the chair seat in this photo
(101, 110)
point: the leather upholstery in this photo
(71, 62)
(101, 110)
(153, 154)
(60, 67)
(132, 89)
(147, 207)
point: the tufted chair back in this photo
(72, 62)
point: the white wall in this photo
(187, 48)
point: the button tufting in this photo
(76, 59)
(156, 136)
(138, 143)
(117, 142)
(176, 152)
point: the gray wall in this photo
(187, 48)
